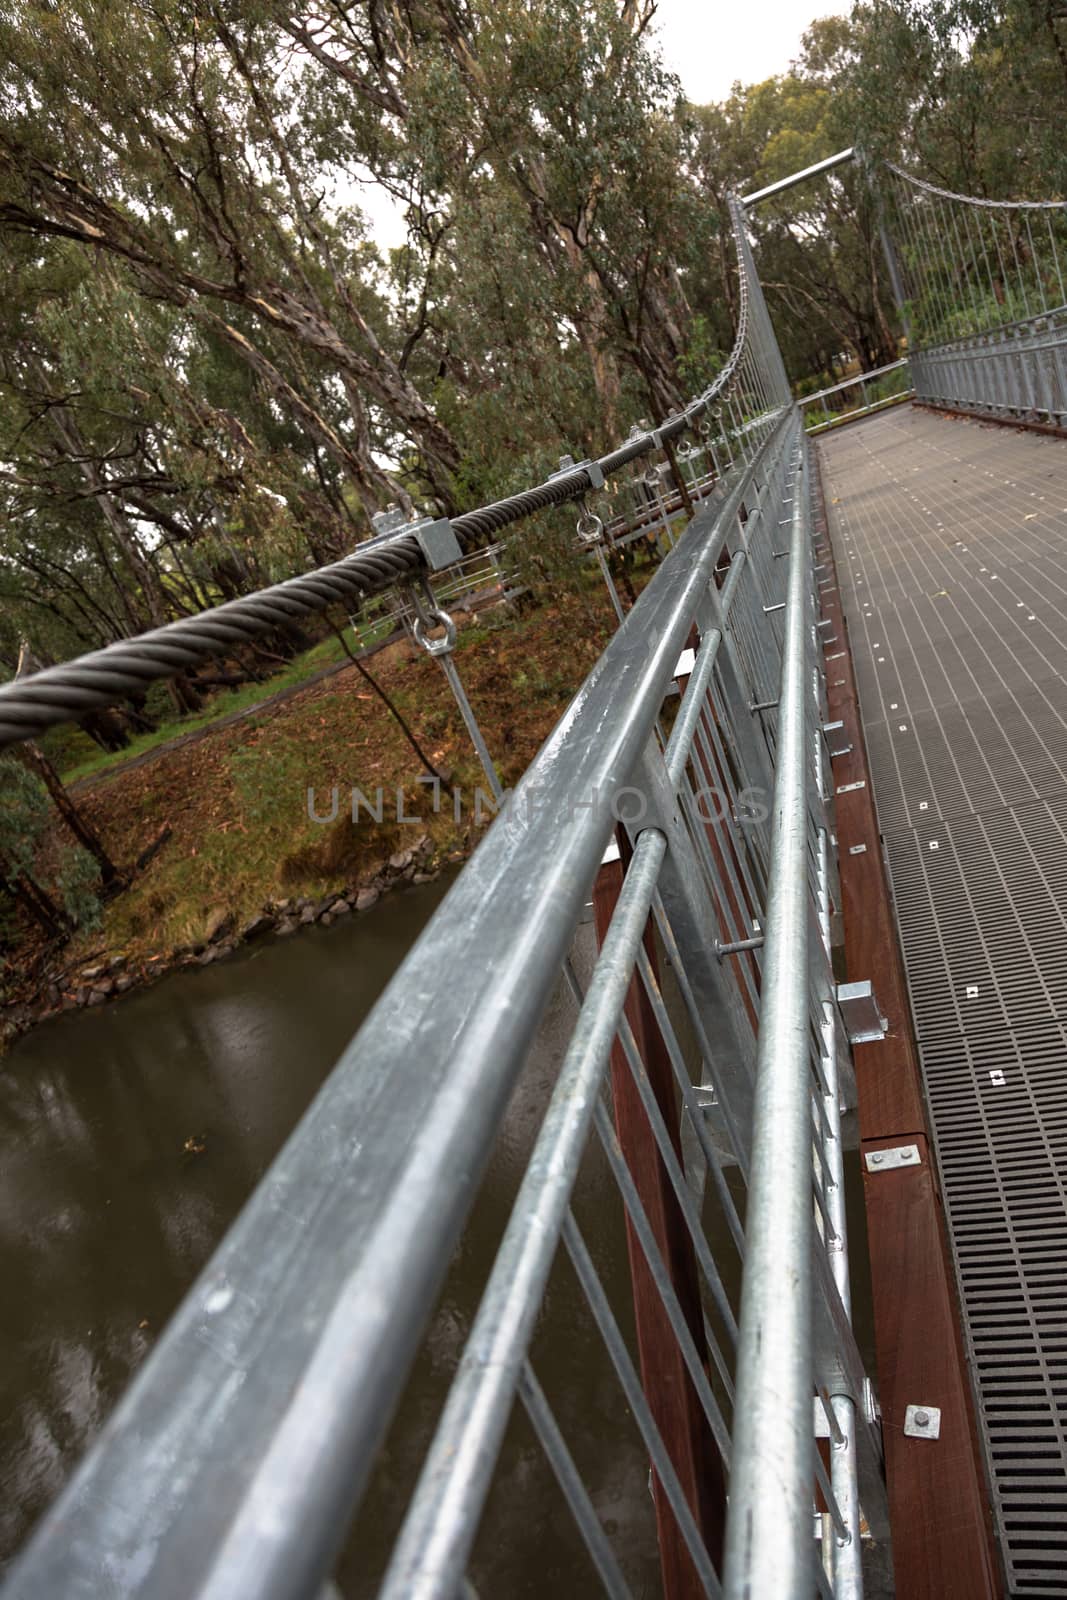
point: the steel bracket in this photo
(898, 1155)
(437, 541)
(390, 520)
(832, 745)
(922, 1422)
(593, 469)
(861, 1013)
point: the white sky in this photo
(710, 44)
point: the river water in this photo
(130, 1136)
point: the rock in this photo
(307, 915)
(53, 994)
(90, 974)
(258, 926)
(219, 921)
(105, 986)
(81, 997)
(116, 963)
(325, 919)
(341, 908)
(123, 983)
(326, 904)
(423, 845)
(425, 877)
(402, 859)
(208, 956)
(285, 929)
(303, 904)
(96, 997)
(367, 898)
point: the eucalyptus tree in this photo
(969, 92)
(819, 251)
(562, 104)
(167, 141)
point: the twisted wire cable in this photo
(32, 704)
(977, 200)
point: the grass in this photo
(235, 805)
(78, 757)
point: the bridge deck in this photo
(951, 545)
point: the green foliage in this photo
(23, 815)
(78, 881)
(24, 818)
(966, 91)
(266, 781)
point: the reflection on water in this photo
(130, 1137)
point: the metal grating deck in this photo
(951, 546)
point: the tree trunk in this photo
(37, 901)
(33, 757)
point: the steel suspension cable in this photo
(976, 200)
(31, 705)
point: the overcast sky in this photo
(710, 44)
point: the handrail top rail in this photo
(849, 383)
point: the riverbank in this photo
(309, 810)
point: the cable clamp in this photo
(437, 541)
(592, 469)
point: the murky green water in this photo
(130, 1136)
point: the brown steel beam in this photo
(671, 1396)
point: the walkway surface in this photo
(951, 545)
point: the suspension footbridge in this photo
(744, 1007)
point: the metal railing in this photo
(858, 396)
(985, 287)
(233, 1464)
(1019, 372)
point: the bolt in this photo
(876, 1158)
(922, 1418)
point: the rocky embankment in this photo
(108, 975)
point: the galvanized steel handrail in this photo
(767, 1551)
(353, 1235)
(866, 407)
(805, 400)
(232, 1465)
